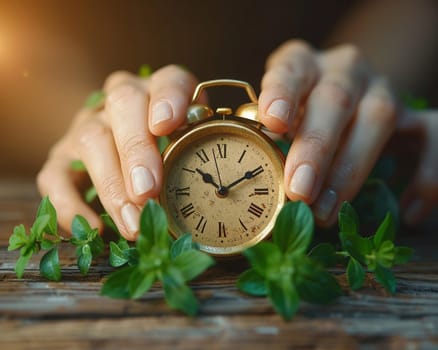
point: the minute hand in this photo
(248, 175)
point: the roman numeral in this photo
(185, 191)
(255, 210)
(222, 149)
(203, 156)
(201, 224)
(261, 191)
(241, 156)
(243, 225)
(187, 210)
(222, 231)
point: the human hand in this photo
(340, 114)
(118, 147)
(421, 195)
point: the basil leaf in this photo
(90, 194)
(386, 254)
(39, 226)
(117, 257)
(97, 244)
(283, 296)
(264, 257)
(163, 142)
(109, 222)
(80, 228)
(181, 245)
(18, 238)
(348, 219)
(47, 244)
(313, 283)
(355, 274)
(116, 286)
(252, 283)
(140, 282)
(178, 295)
(293, 228)
(325, 254)
(77, 165)
(153, 228)
(145, 71)
(385, 232)
(386, 278)
(95, 99)
(22, 262)
(357, 246)
(49, 265)
(84, 259)
(47, 208)
(192, 263)
(402, 255)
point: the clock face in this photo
(223, 183)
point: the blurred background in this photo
(54, 53)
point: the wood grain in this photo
(39, 314)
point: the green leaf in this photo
(18, 238)
(386, 278)
(140, 282)
(283, 296)
(80, 228)
(77, 165)
(178, 295)
(39, 227)
(313, 283)
(181, 245)
(145, 71)
(97, 245)
(117, 257)
(252, 283)
(347, 219)
(191, 263)
(90, 194)
(22, 262)
(283, 145)
(47, 244)
(95, 99)
(49, 265)
(265, 258)
(385, 232)
(109, 222)
(153, 228)
(84, 259)
(47, 208)
(163, 142)
(116, 286)
(357, 246)
(386, 254)
(355, 274)
(325, 254)
(402, 255)
(293, 228)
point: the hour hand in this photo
(207, 178)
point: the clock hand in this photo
(248, 175)
(221, 190)
(207, 178)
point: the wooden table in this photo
(36, 313)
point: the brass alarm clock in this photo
(223, 176)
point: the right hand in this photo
(118, 147)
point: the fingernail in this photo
(142, 180)
(279, 109)
(303, 180)
(325, 204)
(131, 218)
(161, 112)
(413, 211)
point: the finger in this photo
(140, 159)
(97, 150)
(171, 89)
(421, 196)
(57, 181)
(291, 72)
(375, 122)
(330, 107)
(121, 77)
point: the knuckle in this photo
(122, 96)
(117, 78)
(381, 110)
(333, 93)
(112, 192)
(316, 142)
(133, 146)
(351, 54)
(90, 133)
